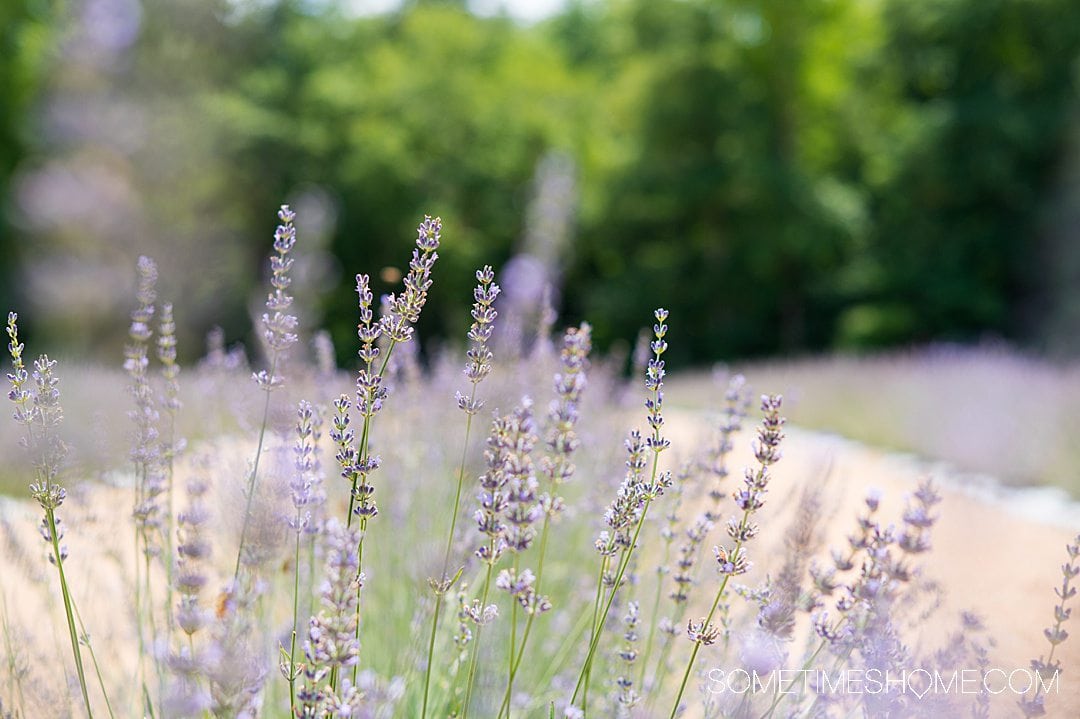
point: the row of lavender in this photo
(508, 624)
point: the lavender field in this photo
(516, 528)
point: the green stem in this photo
(295, 619)
(153, 627)
(686, 677)
(655, 612)
(661, 664)
(446, 556)
(516, 660)
(140, 670)
(708, 620)
(255, 468)
(623, 564)
(505, 708)
(431, 650)
(476, 640)
(50, 518)
(359, 589)
(93, 658)
(364, 441)
(595, 618)
(513, 634)
(461, 482)
(563, 654)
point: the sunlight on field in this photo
(985, 410)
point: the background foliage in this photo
(792, 176)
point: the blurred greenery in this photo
(782, 176)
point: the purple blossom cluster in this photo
(562, 439)
(479, 354)
(332, 645)
(305, 487)
(278, 326)
(404, 309)
(193, 549)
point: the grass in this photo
(339, 544)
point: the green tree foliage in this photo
(427, 111)
(734, 202)
(983, 95)
(24, 34)
(785, 176)
(822, 173)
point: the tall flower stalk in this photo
(332, 646)
(627, 513)
(171, 445)
(1047, 668)
(146, 457)
(397, 326)
(476, 369)
(279, 335)
(193, 551)
(501, 458)
(557, 467)
(303, 495)
(37, 407)
(732, 561)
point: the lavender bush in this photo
(347, 545)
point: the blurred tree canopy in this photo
(783, 176)
(24, 31)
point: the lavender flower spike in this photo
(332, 644)
(279, 335)
(279, 327)
(40, 406)
(405, 308)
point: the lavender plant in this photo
(397, 326)
(477, 368)
(628, 511)
(515, 623)
(303, 491)
(557, 467)
(731, 560)
(37, 408)
(1047, 669)
(279, 335)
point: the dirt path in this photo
(989, 555)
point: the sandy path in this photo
(988, 554)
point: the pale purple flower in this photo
(279, 327)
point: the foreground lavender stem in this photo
(279, 335)
(41, 406)
(733, 562)
(1033, 706)
(170, 372)
(557, 466)
(332, 645)
(145, 455)
(397, 324)
(631, 506)
(302, 488)
(476, 370)
(494, 501)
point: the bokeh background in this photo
(793, 176)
